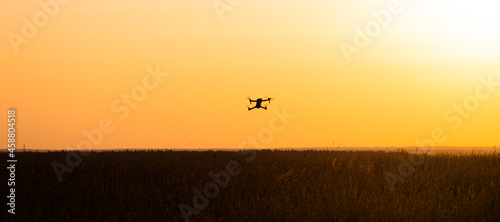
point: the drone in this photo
(258, 103)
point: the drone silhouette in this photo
(258, 103)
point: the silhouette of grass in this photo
(276, 186)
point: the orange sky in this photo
(81, 58)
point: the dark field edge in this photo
(278, 185)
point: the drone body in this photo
(258, 103)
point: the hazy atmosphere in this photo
(65, 72)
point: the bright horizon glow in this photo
(396, 90)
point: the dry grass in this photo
(276, 186)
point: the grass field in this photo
(262, 186)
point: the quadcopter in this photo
(258, 103)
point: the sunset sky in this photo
(65, 71)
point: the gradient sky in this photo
(429, 58)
